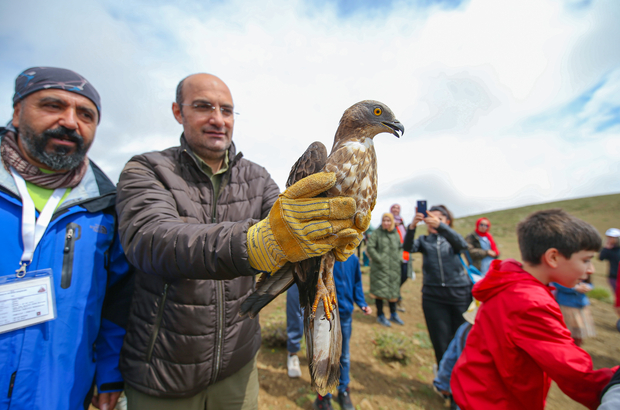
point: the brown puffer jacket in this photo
(184, 331)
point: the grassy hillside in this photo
(602, 212)
(380, 384)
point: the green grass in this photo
(603, 212)
(423, 340)
(274, 330)
(601, 294)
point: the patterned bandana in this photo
(43, 78)
(12, 157)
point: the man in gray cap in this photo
(65, 284)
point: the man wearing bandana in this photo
(56, 364)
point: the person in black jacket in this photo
(446, 290)
(611, 252)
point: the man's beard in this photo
(59, 158)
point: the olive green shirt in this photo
(216, 178)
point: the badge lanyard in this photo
(32, 231)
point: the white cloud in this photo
(460, 80)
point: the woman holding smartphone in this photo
(446, 290)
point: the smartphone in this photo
(422, 208)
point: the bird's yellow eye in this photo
(378, 111)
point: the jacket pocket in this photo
(72, 235)
(160, 314)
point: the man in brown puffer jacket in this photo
(184, 215)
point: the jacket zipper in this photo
(443, 283)
(220, 288)
(72, 235)
(220, 296)
(160, 314)
(220, 328)
(12, 384)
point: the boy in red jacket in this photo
(520, 342)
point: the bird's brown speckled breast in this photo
(355, 166)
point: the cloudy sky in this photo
(505, 103)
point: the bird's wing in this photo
(306, 274)
(323, 336)
(267, 289)
(311, 162)
(269, 286)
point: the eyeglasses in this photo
(208, 109)
(485, 225)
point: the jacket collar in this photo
(233, 157)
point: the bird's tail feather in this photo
(268, 288)
(323, 348)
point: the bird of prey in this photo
(354, 162)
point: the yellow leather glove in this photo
(342, 253)
(300, 226)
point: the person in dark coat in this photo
(446, 290)
(385, 250)
(406, 265)
(611, 252)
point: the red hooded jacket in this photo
(518, 344)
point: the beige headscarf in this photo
(389, 215)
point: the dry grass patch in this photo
(391, 346)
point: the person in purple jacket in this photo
(348, 279)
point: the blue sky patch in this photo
(571, 117)
(351, 8)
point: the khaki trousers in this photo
(237, 392)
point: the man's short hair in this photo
(555, 228)
(179, 97)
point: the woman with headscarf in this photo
(384, 249)
(405, 266)
(446, 287)
(482, 247)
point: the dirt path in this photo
(379, 385)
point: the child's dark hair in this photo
(444, 211)
(555, 228)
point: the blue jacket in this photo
(570, 297)
(53, 365)
(455, 348)
(348, 281)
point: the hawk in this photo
(354, 162)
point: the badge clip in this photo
(21, 272)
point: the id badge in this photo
(26, 301)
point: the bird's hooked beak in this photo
(395, 127)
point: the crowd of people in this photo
(137, 288)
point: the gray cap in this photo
(43, 78)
